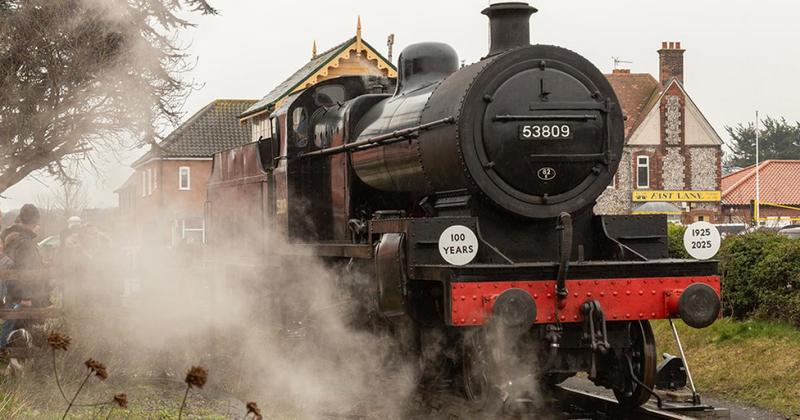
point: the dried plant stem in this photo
(61, 389)
(80, 388)
(58, 382)
(183, 404)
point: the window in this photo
(262, 128)
(149, 182)
(300, 127)
(643, 172)
(184, 178)
(613, 183)
(144, 183)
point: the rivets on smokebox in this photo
(575, 294)
(563, 317)
(574, 316)
(628, 292)
(652, 292)
(463, 297)
(474, 320)
(549, 318)
(549, 295)
(641, 315)
(602, 294)
(536, 296)
(589, 294)
(627, 315)
(653, 314)
(641, 292)
(474, 297)
(462, 320)
(614, 293)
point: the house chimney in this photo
(509, 25)
(670, 62)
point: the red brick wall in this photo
(152, 215)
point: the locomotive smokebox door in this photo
(391, 277)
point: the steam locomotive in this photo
(466, 195)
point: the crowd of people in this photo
(19, 250)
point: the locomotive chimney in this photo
(509, 25)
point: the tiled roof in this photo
(637, 93)
(779, 183)
(301, 74)
(211, 129)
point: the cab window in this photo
(300, 127)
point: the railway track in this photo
(562, 403)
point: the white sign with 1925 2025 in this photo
(701, 240)
(458, 245)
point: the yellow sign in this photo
(651, 195)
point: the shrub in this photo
(675, 241)
(761, 276)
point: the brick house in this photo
(672, 160)
(353, 57)
(779, 186)
(164, 199)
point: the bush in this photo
(675, 241)
(761, 276)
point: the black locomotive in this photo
(467, 196)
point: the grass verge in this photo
(752, 362)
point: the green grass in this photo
(752, 362)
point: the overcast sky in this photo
(740, 55)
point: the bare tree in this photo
(84, 75)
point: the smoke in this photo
(284, 330)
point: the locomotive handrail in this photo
(507, 117)
(383, 139)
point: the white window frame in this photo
(188, 178)
(149, 181)
(613, 184)
(144, 183)
(640, 165)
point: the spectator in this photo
(20, 245)
(6, 263)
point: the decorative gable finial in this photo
(314, 49)
(358, 37)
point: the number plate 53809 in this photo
(549, 131)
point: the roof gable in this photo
(319, 68)
(646, 130)
(213, 128)
(635, 92)
(779, 183)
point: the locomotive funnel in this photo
(509, 25)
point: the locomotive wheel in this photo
(475, 366)
(643, 360)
